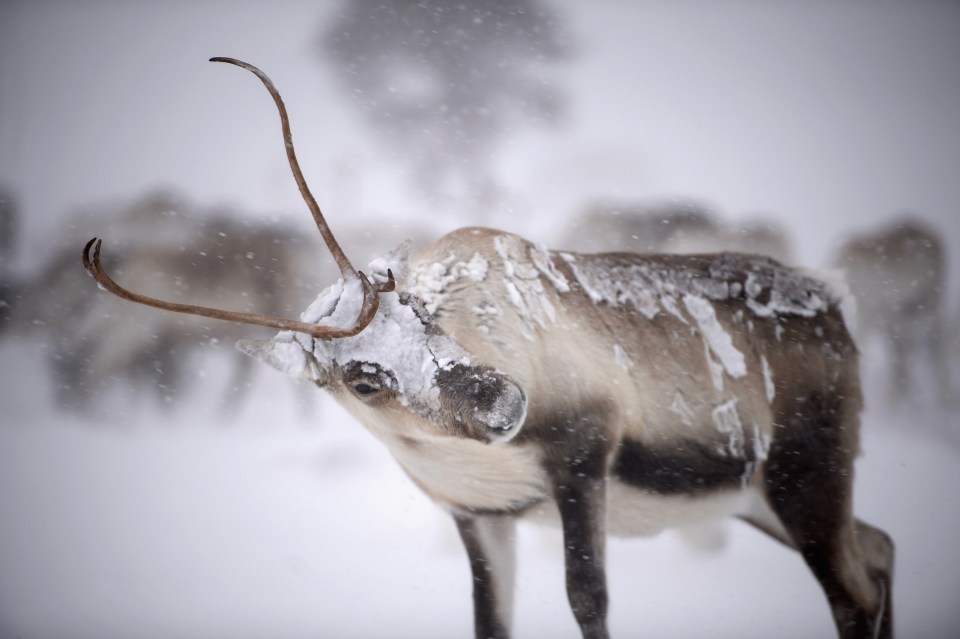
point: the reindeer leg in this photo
(238, 386)
(490, 541)
(876, 548)
(899, 383)
(937, 350)
(577, 467)
(582, 502)
(809, 480)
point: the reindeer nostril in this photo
(507, 414)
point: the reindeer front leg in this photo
(577, 467)
(581, 501)
(490, 541)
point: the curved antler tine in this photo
(371, 302)
(346, 269)
(87, 262)
(389, 285)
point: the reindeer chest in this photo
(469, 474)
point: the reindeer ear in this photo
(285, 355)
(397, 261)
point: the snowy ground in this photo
(291, 521)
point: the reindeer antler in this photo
(345, 267)
(371, 291)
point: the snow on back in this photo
(430, 282)
(525, 274)
(543, 260)
(653, 284)
(838, 289)
(614, 285)
(715, 367)
(726, 418)
(656, 283)
(768, 386)
(521, 281)
(621, 358)
(719, 340)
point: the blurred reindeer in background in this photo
(88, 356)
(247, 265)
(897, 275)
(8, 236)
(673, 227)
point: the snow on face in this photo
(426, 370)
(396, 341)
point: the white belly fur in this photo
(632, 512)
(468, 474)
(635, 513)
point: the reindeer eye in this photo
(365, 389)
(366, 380)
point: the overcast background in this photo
(829, 117)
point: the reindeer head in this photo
(376, 349)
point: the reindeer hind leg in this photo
(809, 482)
(876, 549)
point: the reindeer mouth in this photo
(505, 418)
(488, 403)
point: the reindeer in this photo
(637, 227)
(673, 227)
(9, 222)
(898, 276)
(238, 263)
(609, 393)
